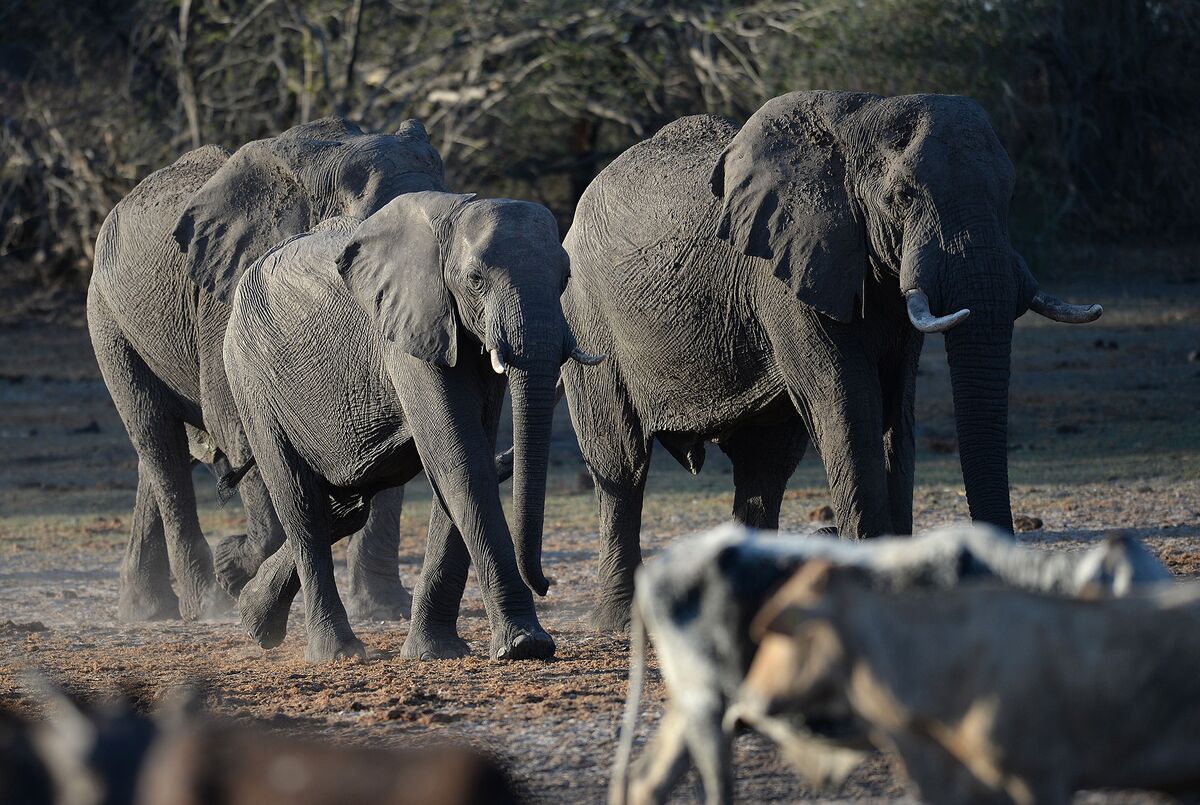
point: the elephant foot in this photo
(430, 643)
(610, 615)
(378, 598)
(522, 643)
(266, 601)
(333, 646)
(197, 600)
(236, 559)
(147, 603)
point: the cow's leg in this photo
(711, 749)
(662, 765)
(375, 591)
(764, 458)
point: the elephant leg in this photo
(237, 558)
(764, 458)
(617, 453)
(145, 591)
(302, 503)
(151, 414)
(450, 415)
(434, 631)
(899, 433)
(375, 591)
(835, 387)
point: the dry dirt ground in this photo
(1105, 433)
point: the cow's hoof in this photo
(334, 648)
(137, 603)
(426, 644)
(379, 601)
(235, 561)
(528, 645)
(609, 616)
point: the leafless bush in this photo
(1093, 97)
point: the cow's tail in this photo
(228, 482)
(618, 786)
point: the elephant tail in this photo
(228, 482)
(618, 784)
(504, 461)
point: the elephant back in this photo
(656, 190)
(138, 270)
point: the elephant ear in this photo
(394, 268)
(783, 185)
(250, 204)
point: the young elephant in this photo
(356, 354)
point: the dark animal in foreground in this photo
(167, 260)
(764, 286)
(114, 755)
(992, 694)
(696, 600)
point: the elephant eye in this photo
(903, 199)
(475, 280)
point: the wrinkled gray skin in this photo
(351, 383)
(695, 602)
(158, 341)
(749, 289)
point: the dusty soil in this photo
(1104, 434)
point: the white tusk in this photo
(579, 355)
(498, 364)
(1058, 310)
(926, 322)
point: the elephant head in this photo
(273, 189)
(438, 271)
(835, 188)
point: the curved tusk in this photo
(926, 322)
(498, 364)
(1057, 310)
(580, 356)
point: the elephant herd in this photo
(321, 318)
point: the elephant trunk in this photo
(979, 352)
(533, 401)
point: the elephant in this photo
(367, 351)
(768, 286)
(158, 340)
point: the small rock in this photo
(821, 514)
(1023, 522)
(68, 595)
(91, 427)
(1194, 356)
(1066, 429)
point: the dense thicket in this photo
(1095, 99)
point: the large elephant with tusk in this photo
(764, 287)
